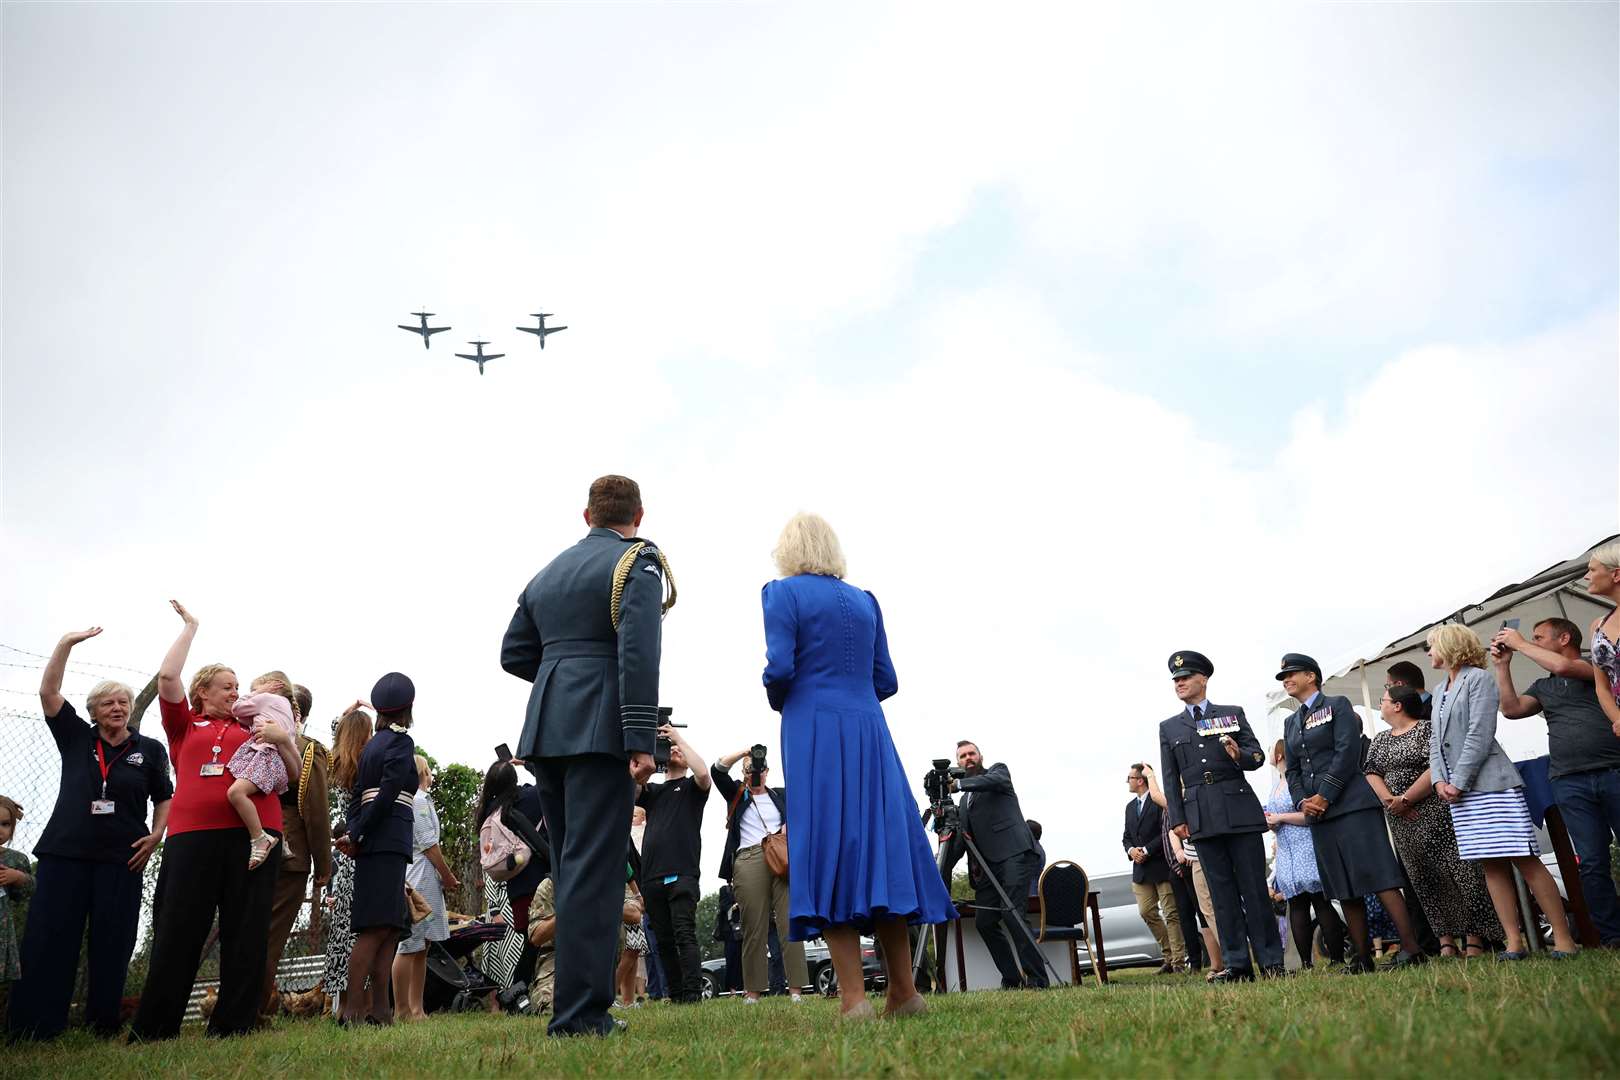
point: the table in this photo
(964, 910)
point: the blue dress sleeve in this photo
(883, 677)
(781, 640)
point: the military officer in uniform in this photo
(1323, 740)
(1204, 751)
(586, 633)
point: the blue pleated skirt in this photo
(857, 851)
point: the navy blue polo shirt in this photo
(137, 774)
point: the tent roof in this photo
(1554, 591)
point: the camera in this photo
(937, 782)
(756, 764)
(663, 746)
(514, 999)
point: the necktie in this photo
(1198, 714)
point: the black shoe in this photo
(1166, 969)
(1408, 960)
(1275, 971)
(1360, 965)
(1234, 975)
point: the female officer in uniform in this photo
(381, 819)
(1323, 741)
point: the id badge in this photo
(212, 768)
(101, 806)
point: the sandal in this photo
(1448, 952)
(1473, 952)
(259, 849)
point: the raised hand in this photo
(180, 609)
(73, 637)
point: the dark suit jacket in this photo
(1144, 831)
(381, 817)
(1323, 744)
(727, 787)
(992, 817)
(1204, 789)
(595, 689)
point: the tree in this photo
(708, 909)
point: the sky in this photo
(1097, 333)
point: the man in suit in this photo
(1150, 874)
(1204, 751)
(992, 817)
(586, 633)
(307, 839)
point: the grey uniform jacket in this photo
(595, 689)
(1204, 789)
(1323, 744)
(1463, 750)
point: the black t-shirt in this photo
(1579, 738)
(673, 842)
(137, 773)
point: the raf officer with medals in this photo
(1204, 751)
(587, 635)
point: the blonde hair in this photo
(1456, 646)
(349, 736)
(808, 545)
(285, 689)
(202, 679)
(104, 690)
(424, 772)
(1608, 554)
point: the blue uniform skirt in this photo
(379, 893)
(1493, 825)
(1353, 855)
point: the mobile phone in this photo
(1510, 624)
(503, 753)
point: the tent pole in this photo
(1366, 694)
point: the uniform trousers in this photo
(1156, 903)
(204, 872)
(284, 905)
(587, 800)
(762, 895)
(69, 892)
(1235, 868)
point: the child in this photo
(16, 884)
(257, 765)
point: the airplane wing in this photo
(528, 329)
(412, 329)
(464, 356)
(555, 329)
(436, 329)
(494, 356)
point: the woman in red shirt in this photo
(203, 868)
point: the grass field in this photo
(1475, 1019)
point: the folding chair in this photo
(1063, 889)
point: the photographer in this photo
(990, 814)
(670, 851)
(753, 812)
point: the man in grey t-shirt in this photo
(1583, 750)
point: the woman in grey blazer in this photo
(1479, 783)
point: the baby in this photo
(257, 765)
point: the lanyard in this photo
(101, 759)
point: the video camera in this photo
(756, 764)
(937, 783)
(663, 746)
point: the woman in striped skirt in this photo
(1483, 790)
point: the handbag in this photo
(775, 847)
(418, 905)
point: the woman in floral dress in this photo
(1452, 892)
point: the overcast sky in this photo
(1096, 333)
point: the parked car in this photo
(817, 959)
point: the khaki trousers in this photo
(761, 893)
(1156, 903)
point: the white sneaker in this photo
(750, 1001)
(798, 999)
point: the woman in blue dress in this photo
(1296, 876)
(858, 860)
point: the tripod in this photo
(948, 824)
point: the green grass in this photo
(1472, 1020)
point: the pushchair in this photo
(454, 983)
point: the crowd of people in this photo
(596, 867)
(1412, 836)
